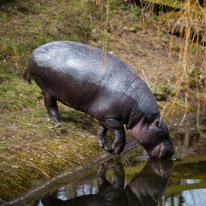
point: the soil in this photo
(32, 148)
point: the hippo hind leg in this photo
(116, 127)
(52, 107)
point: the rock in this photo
(58, 125)
(160, 94)
(180, 25)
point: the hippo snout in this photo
(162, 151)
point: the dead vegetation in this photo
(161, 47)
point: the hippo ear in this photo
(156, 123)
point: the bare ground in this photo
(32, 148)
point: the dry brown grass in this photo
(187, 20)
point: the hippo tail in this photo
(27, 76)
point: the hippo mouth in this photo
(161, 151)
(155, 153)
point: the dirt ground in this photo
(32, 148)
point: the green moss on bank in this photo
(32, 160)
(33, 148)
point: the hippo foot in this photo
(56, 118)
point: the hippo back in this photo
(76, 75)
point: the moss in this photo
(43, 159)
(32, 148)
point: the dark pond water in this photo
(134, 180)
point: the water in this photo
(133, 179)
(140, 183)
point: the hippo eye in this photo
(156, 123)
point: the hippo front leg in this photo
(116, 127)
(102, 139)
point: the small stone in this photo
(58, 125)
(131, 29)
(48, 119)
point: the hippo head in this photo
(154, 137)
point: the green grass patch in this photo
(33, 148)
(136, 11)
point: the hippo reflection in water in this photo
(145, 189)
(73, 74)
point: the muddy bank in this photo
(73, 173)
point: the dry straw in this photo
(186, 19)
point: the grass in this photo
(32, 148)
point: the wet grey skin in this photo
(75, 75)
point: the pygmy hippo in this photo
(75, 75)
